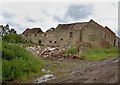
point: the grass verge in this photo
(99, 53)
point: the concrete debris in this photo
(45, 71)
(50, 52)
(44, 78)
(117, 60)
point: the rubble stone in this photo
(50, 52)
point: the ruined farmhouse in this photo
(82, 34)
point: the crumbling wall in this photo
(82, 46)
(110, 36)
(64, 36)
(117, 43)
(92, 33)
(35, 35)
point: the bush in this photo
(71, 50)
(12, 51)
(18, 63)
(12, 38)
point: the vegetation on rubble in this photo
(71, 50)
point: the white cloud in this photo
(42, 14)
(107, 14)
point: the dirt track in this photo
(80, 71)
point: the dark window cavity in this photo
(114, 42)
(39, 41)
(35, 34)
(50, 41)
(55, 42)
(44, 34)
(61, 39)
(70, 35)
(105, 36)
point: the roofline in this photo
(110, 30)
(73, 23)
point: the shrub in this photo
(71, 50)
(12, 38)
(17, 62)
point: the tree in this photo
(1, 30)
(12, 31)
(6, 30)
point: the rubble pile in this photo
(50, 52)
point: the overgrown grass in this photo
(71, 50)
(18, 63)
(99, 53)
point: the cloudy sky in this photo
(22, 15)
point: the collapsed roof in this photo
(62, 27)
(33, 30)
(72, 26)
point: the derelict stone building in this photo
(34, 35)
(87, 34)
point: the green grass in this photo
(18, 63)
(71, 50)
(99, 53)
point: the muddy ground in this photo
(82, 71)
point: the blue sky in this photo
(22, 15)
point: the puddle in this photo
(44, 78)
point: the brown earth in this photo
(80, 71)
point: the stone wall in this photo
(97, 35)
